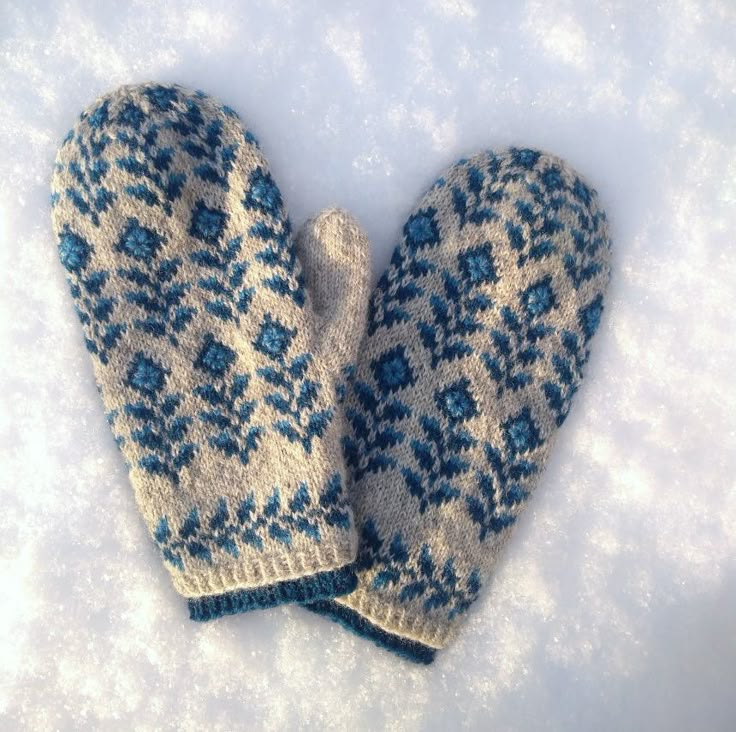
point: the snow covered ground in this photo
(615, 604)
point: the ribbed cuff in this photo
(253, 572)
(317, 587)
(356, 623)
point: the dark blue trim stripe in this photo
(322, 586)
(352, 621)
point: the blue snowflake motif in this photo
(500, 490)
(207, 224)
(521, 432)
(161, 433)
(94, 306)
(581, 191)
(74, 251)
(162, 97)
(524, 157)
(421, 230)
(97, 171)
(232, 526)
(224, 284)
(552, 179)
(262, 194)
(100, 116)
(474, 202)
(567, 366)
(539, 298)
(215, 357)
(456, 401)
(589, 317)
(146, 375)
(139, 242)
(416, 577)
(374, 429)
(477, 265)
(392, 371)
(274, 338)
(227, 411)
(131, 116)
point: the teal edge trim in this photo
(317, 587)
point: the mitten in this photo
(218, 378)
(477, 335)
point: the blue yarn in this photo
(304, 590)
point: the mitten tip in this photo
(334, 235)
(334, 215)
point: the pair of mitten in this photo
(289, 440)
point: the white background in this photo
(615, 604)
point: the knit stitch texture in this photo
(218, 381)
(477, 335)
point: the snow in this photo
(614, 604)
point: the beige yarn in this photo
(477, 334)
(99, 194)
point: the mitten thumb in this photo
(335, 256)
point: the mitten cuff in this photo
(248, 582)
(432, 630)
(321, 587)
(283, 545)
(353, 621)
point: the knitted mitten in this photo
(477, 334)
(218, 378)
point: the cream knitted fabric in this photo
(477, 335)
(218, 379)
(333, 281)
